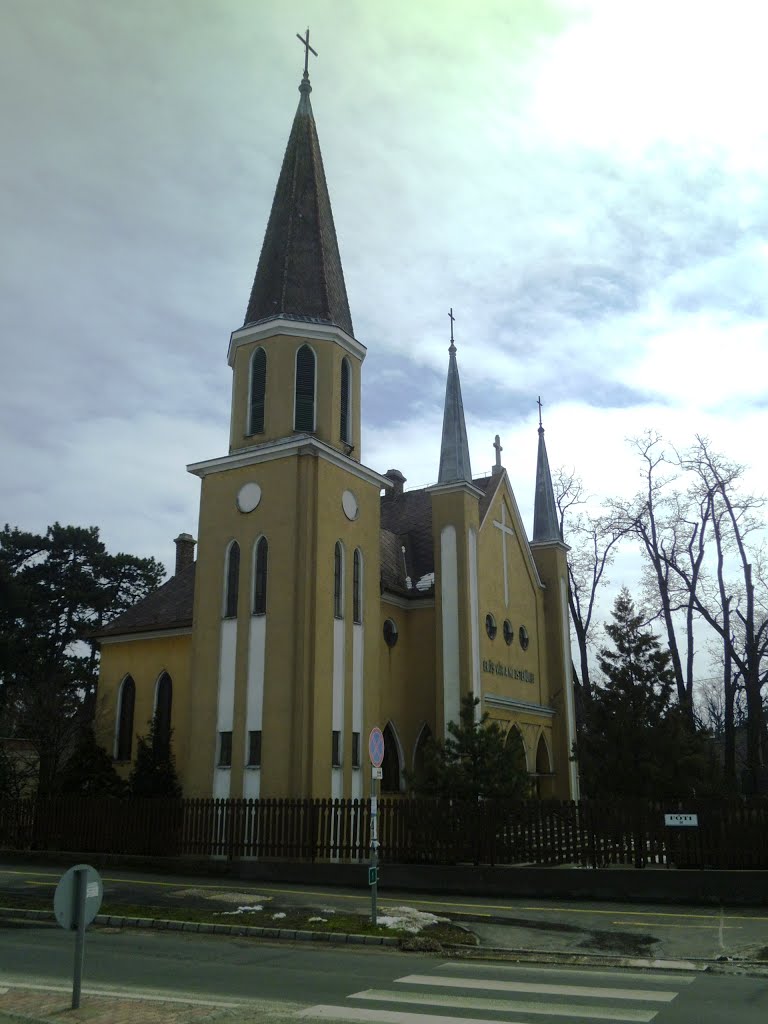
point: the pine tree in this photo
(90, 771)
(473, 763)
(635, 740)
(154, 773)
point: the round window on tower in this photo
(524, 638)
(509, 633)
(490, 626)
(390, 633)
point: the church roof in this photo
(299, 275)
(546, 524)
(454, 448)
(407, 550)
(168, 607)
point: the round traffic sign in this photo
(376, 747)
(67, 897)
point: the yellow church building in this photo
(326, 598)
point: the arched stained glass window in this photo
(338, 581)
(233, 581)
(258, 390)
(163, 701)
(357, 586)
(346, 401)
(260, 577)
(126, 703)
(304, 413)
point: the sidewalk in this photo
(22, 1005)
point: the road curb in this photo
(236, 930)
(510, 955)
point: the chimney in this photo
(397, 479)
(185, 551)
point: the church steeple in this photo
(299, 275)
(454, 448)
(545, 520)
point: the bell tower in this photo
(455, 526)
(286, 593)
(295, 360)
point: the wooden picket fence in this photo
(729, 834)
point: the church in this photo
(326, 598)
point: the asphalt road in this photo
(301, 982)
(628, 930)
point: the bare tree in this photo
(671, 525)
(739, 614)
(592, 540)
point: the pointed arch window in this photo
(346, 401)
(304, 406)
(390, 766)
(126, 704)
(357, 586)
(163, 701)
(257, 391)
(338, 581)
(233, 581)
(260, 577)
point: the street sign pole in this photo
(76, 902)
(373, 873)
(376, 754)
(81, 886)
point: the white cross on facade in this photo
(506, 530)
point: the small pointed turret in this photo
(546, 526)
(454, 449)
(299, 275)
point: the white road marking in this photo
(612, 1013)
(364, 1016)
(643, 995)
(565, 970)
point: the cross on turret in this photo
(538, 402)
(307, 48)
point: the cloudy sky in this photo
(582, 180)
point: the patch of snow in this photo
(240, 910)
(327, 910)
(408, 919)
(276, 916)
(224, 895)
(426, 581)
(323, 919)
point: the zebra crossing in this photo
(485, 993)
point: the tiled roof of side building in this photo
(408, 516)
(488, 485)
(168, 607)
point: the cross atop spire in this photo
(307, 48)
(451, 317)
(539, 403)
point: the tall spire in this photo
(299, 275)
(545, 520)
(454, 449)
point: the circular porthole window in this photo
(390, 633)
(509, 633)
(524, 638)
(490, 626)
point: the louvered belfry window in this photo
(345, 403)
(260, 578)
(233, 581)
(304, 416)
(258, 390)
